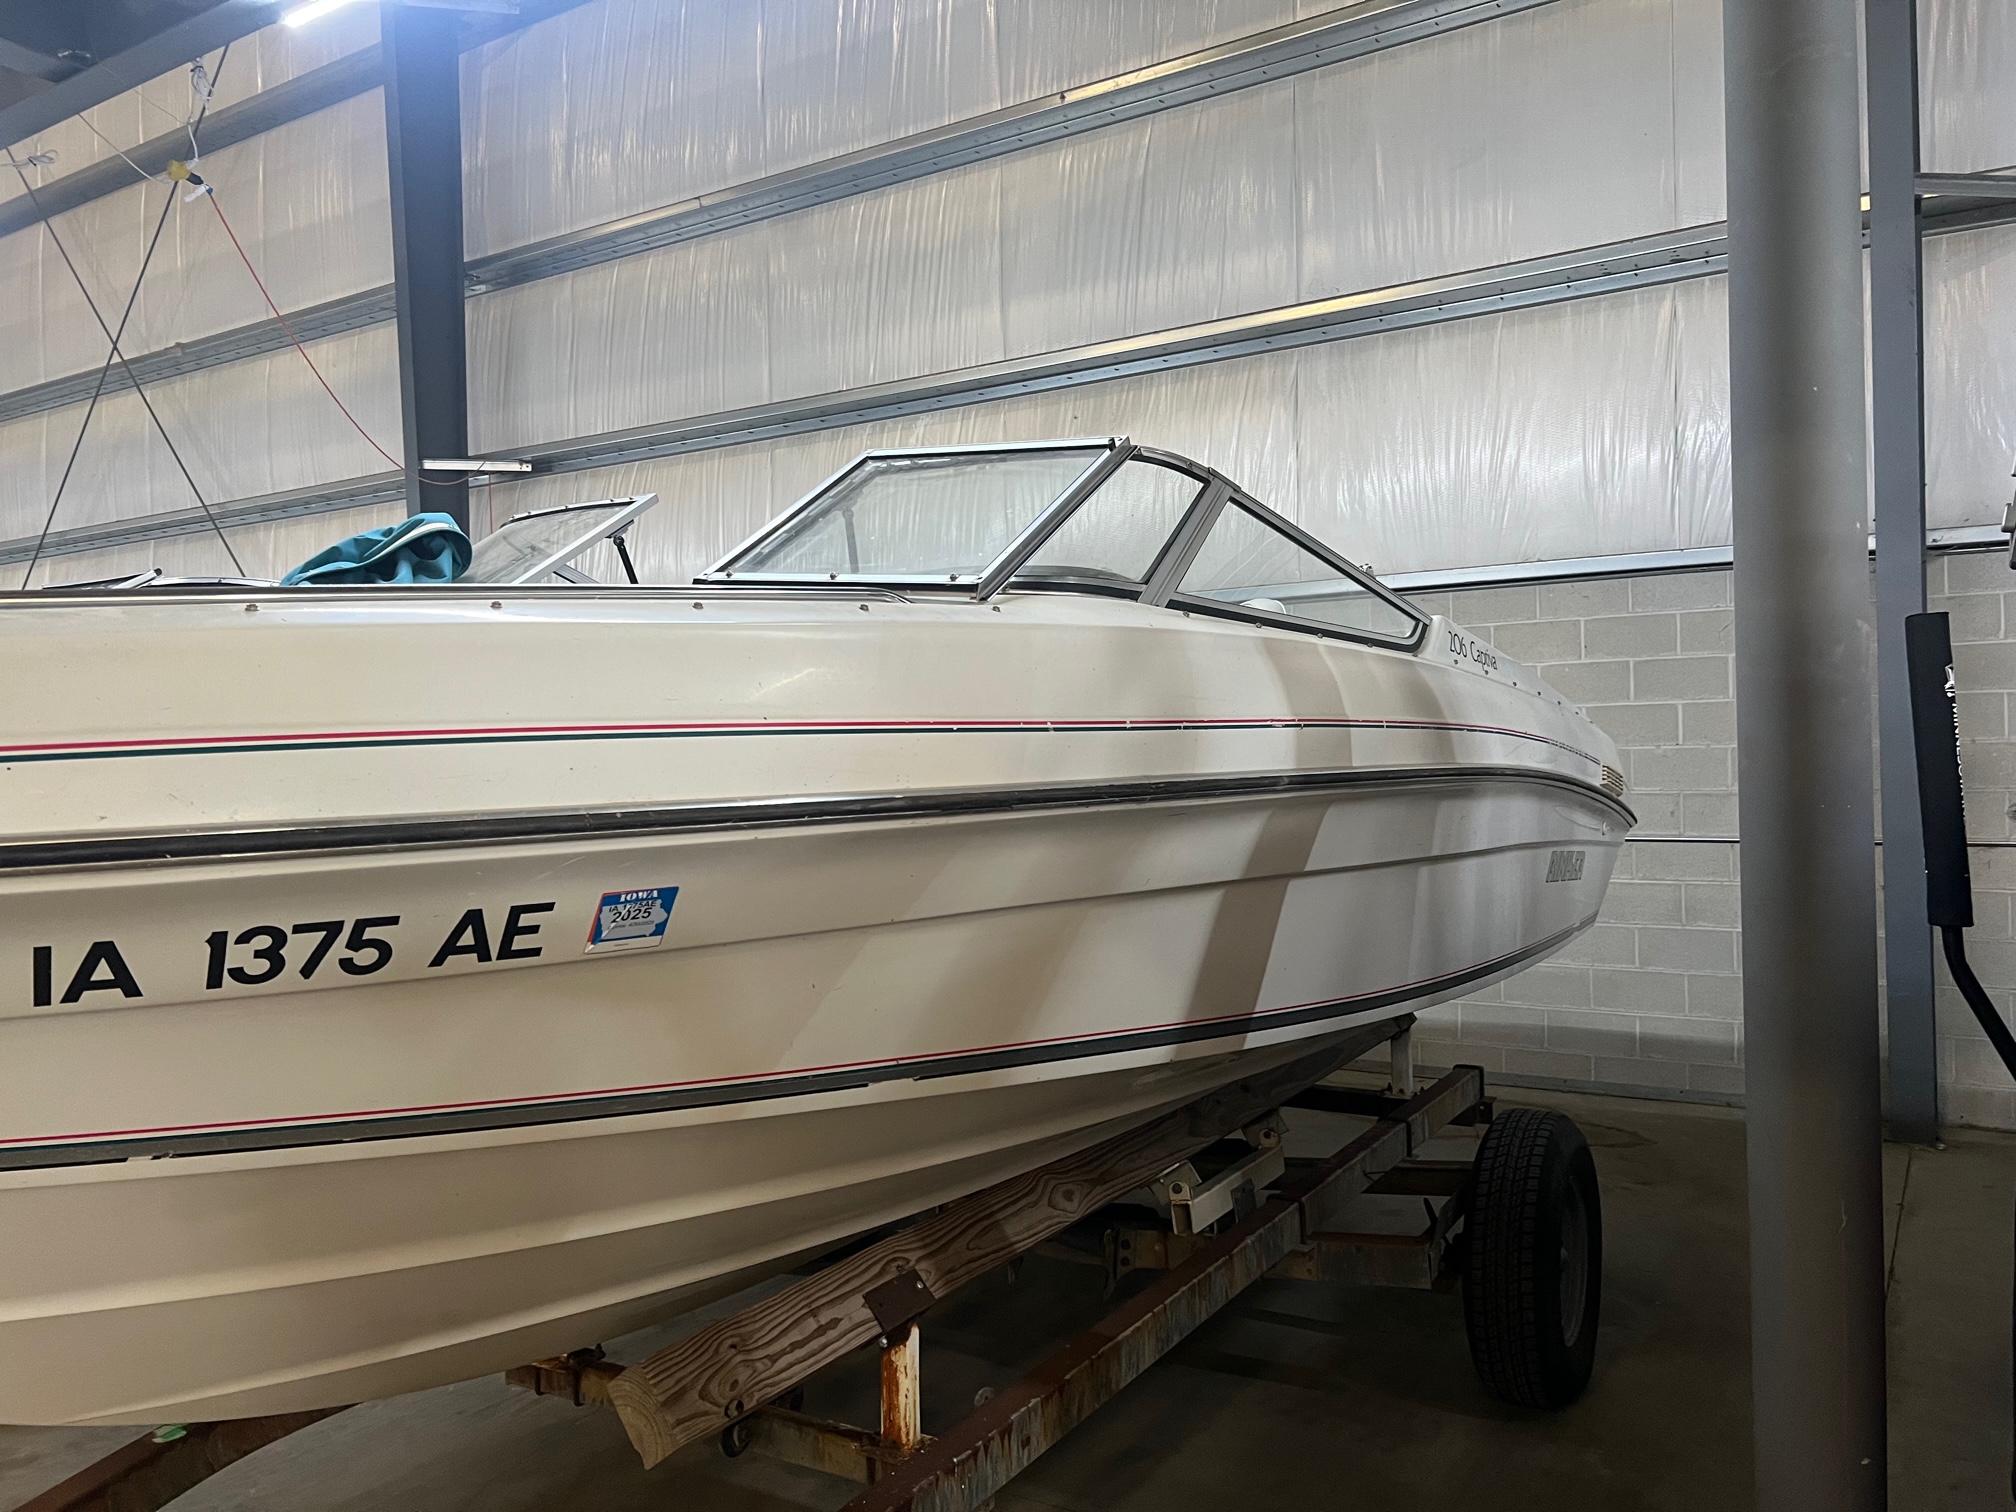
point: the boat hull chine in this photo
(351, 1209)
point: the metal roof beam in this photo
(423, 149)
(290, 100)
(146, 55)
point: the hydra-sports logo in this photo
(1566, 866)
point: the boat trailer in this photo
(1206, 1197)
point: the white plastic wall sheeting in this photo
(1545, 131)
(1583, 429)
(1559, 128)
(626, 105)
(164, 104)
(1587, 429)
(1591, 429)
(1967, 100)
(265, 551)
(252, 428)
(1970, 376)
(308, 200)
(1583, 122)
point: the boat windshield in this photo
(919, 517)
(544, 542)
(1105, 517)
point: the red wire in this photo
(212, 197)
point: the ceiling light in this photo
(314, 10)
(473, 465)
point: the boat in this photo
(405, 983)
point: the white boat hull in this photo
(227, 1187)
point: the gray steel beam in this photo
(42, 40)
(1805, 778)
(1897, 450)
(290, 100)
(261, 338)
(226, 21)
(423, 149)
(1995, 186)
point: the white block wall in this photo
(1652, 998)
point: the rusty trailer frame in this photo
(962, 1470)
(740, 1381)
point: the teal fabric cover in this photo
(426, 548)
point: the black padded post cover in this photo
(1949, 892)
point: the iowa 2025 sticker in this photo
(632, 920)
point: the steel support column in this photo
(423, 146)
(1897, 447)
(1806, 784)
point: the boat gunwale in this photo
(549, 825)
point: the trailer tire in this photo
(1533, 1278)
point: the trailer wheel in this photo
(1533, 1281)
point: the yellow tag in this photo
(178, 170)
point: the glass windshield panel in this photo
(1249, 562)
(515, 550)
(937, 516)
(1115, 536)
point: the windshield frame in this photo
(1111, 452)
(557, 560)
(1159, 589)
(1189, 538)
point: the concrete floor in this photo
(1297, 1395)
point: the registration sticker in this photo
(631, 920)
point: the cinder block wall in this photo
(1979, 591)
(1652, 998)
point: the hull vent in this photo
(1613, 782)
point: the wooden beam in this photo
(694, 1388)
(963, 1470)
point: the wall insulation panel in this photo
(1587, 429)
(1584, 122)
(1494, 440)
(1970, 375)
(256, 63)
(308, 200)
(1490, 440)
(1967, 103)
(626, 105)
(1355, 177)
(256, 427)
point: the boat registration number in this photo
(284, 954)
